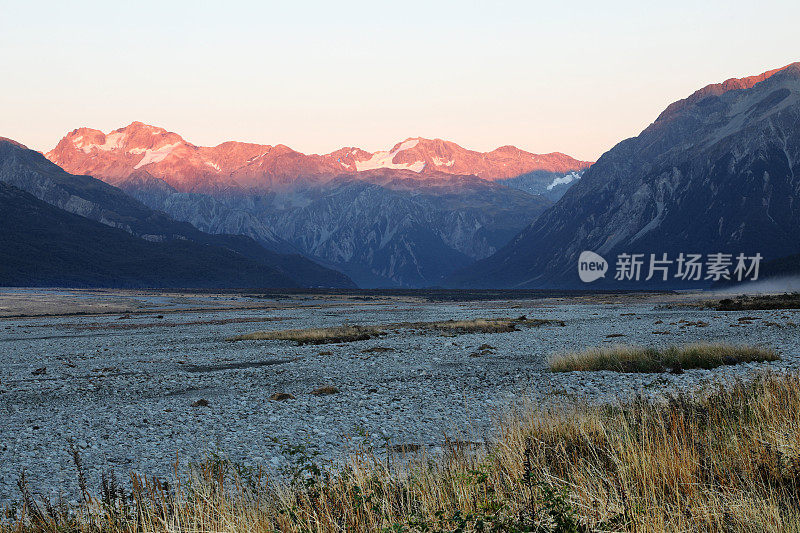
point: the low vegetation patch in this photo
(360, 333)
(325, 391)
(758, 302)
(485, 325)
(281, 396)
(726, 459)
(624, 358)
(315, 335)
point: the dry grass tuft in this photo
(360, 333)
(281, 396)
(326, 390)
(315, 335)
(486, 325)
(624, 358)
(725, 460)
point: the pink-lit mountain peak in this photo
(748, 82)
(731, 84)
(424, 155)
(166, 155)
(136, 135)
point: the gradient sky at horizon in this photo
(574, 77)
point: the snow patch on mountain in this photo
(564, 180)
(254, 158)
(386, 159)
(157, 155)
(112, 141)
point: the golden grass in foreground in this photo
(624, 358)
(728, 461)
(359, 333)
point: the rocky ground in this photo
(126, 386)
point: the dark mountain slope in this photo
(94, 199)
(41, 245)
(717, 172)
(384, 228)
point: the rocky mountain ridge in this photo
(189, 168)
(96, 200)
(718, 172)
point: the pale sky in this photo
(575, 77)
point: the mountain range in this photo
(717, 172)
(408, 216)
(118, 155)
(25, 170)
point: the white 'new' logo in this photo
(591, 266)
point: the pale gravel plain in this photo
(121, 385)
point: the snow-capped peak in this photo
(386, 159)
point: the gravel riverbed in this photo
(121, 386)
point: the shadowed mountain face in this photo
(547, 184)
(391, 229)
(716, 172)
(408, 216)
(91, 198)
(43, 246)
